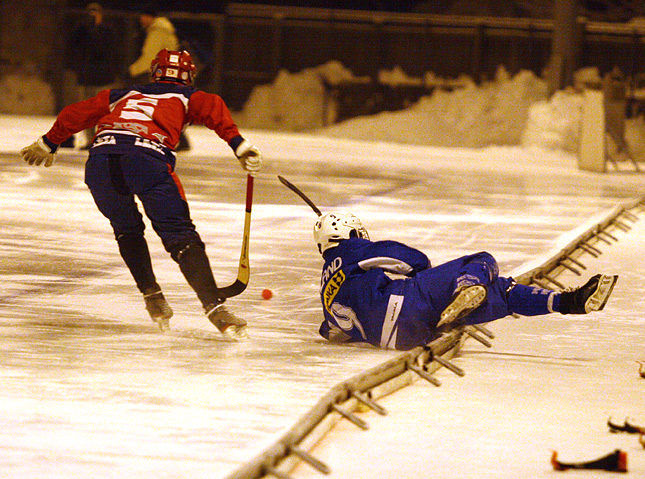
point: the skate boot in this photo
(463, 302)
(159, 309)
(230, 325)
(592, 296)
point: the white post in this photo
(593, 153)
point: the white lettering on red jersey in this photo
(158, 112)
(157, 117)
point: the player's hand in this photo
(38, 152)
(249, 156)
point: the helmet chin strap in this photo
(170, 80)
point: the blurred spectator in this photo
(160, 34)
(91, 56)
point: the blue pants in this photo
(431, 290)
(436, 287)
(115, 179)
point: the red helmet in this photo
(173, 66)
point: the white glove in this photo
(38, 152)
(249, 156)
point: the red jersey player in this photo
(132, 155)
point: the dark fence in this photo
(250, 44)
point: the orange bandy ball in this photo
(267, 294)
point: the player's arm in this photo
(72, 119)
(333, 333)
(395, 257)
(210, 110)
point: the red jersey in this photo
(156, 113)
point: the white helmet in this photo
(334, 227)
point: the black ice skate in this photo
(230, 325)
(463, 302)
(159, 309)
(592, 296)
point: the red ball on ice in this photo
(267, 294)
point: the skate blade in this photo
(467, 300)
(598, 300)
(236, 333)
(163, 323)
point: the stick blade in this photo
(234, 289)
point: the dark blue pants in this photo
(431, 290)
(436, 286)
(115, 179)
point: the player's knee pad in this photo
(488, 263)
(181, 249)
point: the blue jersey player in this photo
(387, 294)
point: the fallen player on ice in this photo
(363, 303)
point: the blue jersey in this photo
(386, 294)
(361, 300)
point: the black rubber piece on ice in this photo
(615, 461)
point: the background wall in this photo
(249, 44)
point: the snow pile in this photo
(511, 110)
(396, 76)
(24, 93)
(554, 124)
(494, 113)
(294, 101)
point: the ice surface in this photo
(548, 383)
(91, 388)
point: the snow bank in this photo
(294, 101)
(494, 113)
(554, 124)
(508, 111)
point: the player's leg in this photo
(104, 178)
(534, 301)
(196, 268)
(592, 296)
(473, 275)
(166, 206)
(136, 255)
(503, 296)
